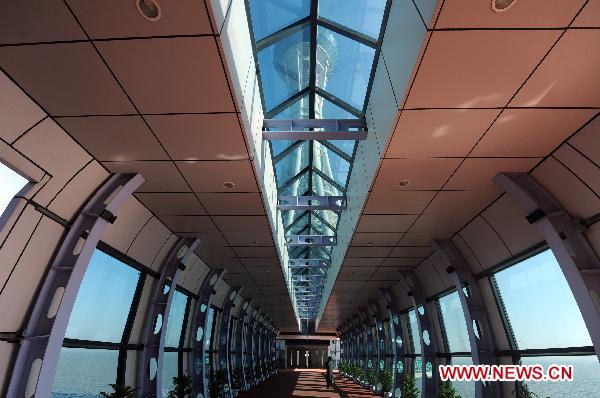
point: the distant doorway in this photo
(306, 356)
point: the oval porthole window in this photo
(213, 279)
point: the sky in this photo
(10, 184)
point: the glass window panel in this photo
(176, 315)
(284, 67)
(540, 305)
(414, 331)
(279, 146)
(330, 164)
(323, 187)
(269, 16)
(170, 370)
(292, 164)
(363, 16)
(586, 377)
(325, 109)
(297, 110)
(466, 389)
(343, 67)
(298, 187)
(97, 315)
(455, 324)
(84, 372)
(11, 183)
(210, 317)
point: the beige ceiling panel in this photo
(209, 176)
(460, 205)
(399, 262)
(245, 230)
(255, 251)
(354, 274)
(567, 75)
(114, 138)
(161, 77)
(232, 203)
(475, 69)
(587, 171)
(117, 18)
(416, 239)
(411, 251)
(72, 80)
(387, 223)
(477, 173)
(485, 243)
(361, 262)
(467, 253)
(386, 274)
(399, 202)
(200, 224)
(422, 174)
(200, 137)
(587, 141)
(523, 14)
(161, 176)
(354, 251)
(37, 21)
(17, 112)
(589, 16)
(442, 226)
(375, 239)
(531, 132)
(172, 203)
(439, 132)
(260, 262)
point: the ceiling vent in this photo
(149, 9)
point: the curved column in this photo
(363, 326)
(43, 336)
(379, 338)
(224, 327)
(198, 335)
(248, 331)
(564, 235)
(426, 333)
(397, 338)
(155, 330)
(473, 306)
(239, 340)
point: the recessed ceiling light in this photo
(403, 183)
(229, 185)
(502, 5)
(370, 243)
(256, 242)
(149, 9)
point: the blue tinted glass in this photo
(176, 315)
(297, 110)
(284, 67)
(269, 16)
(586, 377)
(210, 317)
(348, 70)
(298, 187)
(84, 372)
(97, 315)
(414, 331)
(455, 324)
(292, 164)
(170, 370)
(329, 110)
(540, 305)
(466, 389)
(363, 16)
(10, 185)
(278, 146)
(323, 187)
(331, 164)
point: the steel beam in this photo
(310, 240)
(379, 337)
(198, 335)
(240, 341)
(157, 318)
(564, 235)
(224, 327)
(474, 310)
(312, 203)
(303, 129)
(398, 341)
(426, 333)
(37, 358)
(308, 263)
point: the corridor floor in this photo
(306, 383)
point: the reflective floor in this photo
(306, 383)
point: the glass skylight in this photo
(316, 60)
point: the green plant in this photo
(447, 391)
(371, 377)
(237, 378)
(386, 380)
(182, 387)
(248, 374)
(120, 391)
(523, 391)
(408, 387)
(217, 381)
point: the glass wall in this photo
(11, 183)
(416, 348)
(173, 364)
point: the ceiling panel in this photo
(399, 262)
(354, 251)
(161, 176)
(477, 173)
(422, 174)
(361, 262)
(397, 202)
(411, 251)
(589, 16)
(209, 176)
(255, 232)
(375, 239)
(172, 203)
(385, 223)
(232, 203)
(255, 251)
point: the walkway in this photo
(306, 383)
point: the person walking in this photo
(329, 374)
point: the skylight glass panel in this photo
(351, 62)
(322, 187)
(297, 187)
(284, 67)
(270, 16)
(363, 16)
(297, 110)
(331, 164)
(291, 165)
(278, 146)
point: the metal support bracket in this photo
(397, 338)
(239, 340)
(155, 330)
(429, 348)
(378, 338)
(474, 310)
(308, 263)
(303, 129)
(311, 203)
(224, 328)
(37, 358)
(564, 235)
(310, 240)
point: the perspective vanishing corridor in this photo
(223, 198)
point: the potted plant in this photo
(523, 391)
(249, 377)
(217, 383)
(408, 387)
(237, 380)
(386, 383)
(372, 378)
(120, 391)
(447, 391)
(182, 387)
